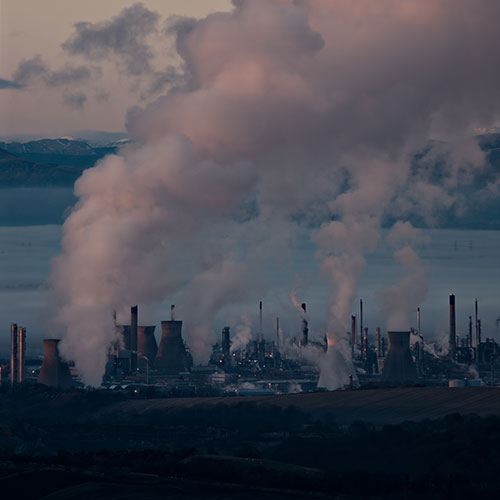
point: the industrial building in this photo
(270, 363)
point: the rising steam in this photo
(290, 113)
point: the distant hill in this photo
(18, 172)
(63, 151)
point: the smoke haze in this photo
(292, 114)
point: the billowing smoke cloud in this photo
(308, 112)
(125, 37)
(74, 99)
(36, 69)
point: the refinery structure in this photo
(269, 364)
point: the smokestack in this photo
(379, 347)
(399, 367)
(479, 331)
(226, 345)
(261, 333)
(305, 328)
(13, 354)
(21, 361)
(146, 346)
(365, 343)
(478, 341)
(54, 371)
(277, 333)
(133, 338)
(172, 357)
(418, 321)
(361, 318)
(172, 312)
(469, 340)
(453, 330)
(353, 330)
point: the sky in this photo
(50, 106)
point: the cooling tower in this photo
(54, 371)
(399, 367)
(171, 358)
(146, 346)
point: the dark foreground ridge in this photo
(386, 443)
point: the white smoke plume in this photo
(243, 334)
(302, 112)
(400, 300)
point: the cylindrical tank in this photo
(54, 371)
(171, 357)
(399, 367)
(146, 345)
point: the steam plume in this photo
(305, 111)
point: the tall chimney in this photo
(226, 345)
(54, 371)
(453, 330)
(172, 312)
(379, 347)
(361, 318)
(418, 321)
(353, 330)
(277, 333)
(261, 333)
(479, 331)
(14, 370)
(469, 339)
(133, 338)
(365, 343)
(478, 340)
(21, 361)
(305, 328)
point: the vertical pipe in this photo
(418, 321)
(277, 333)
(453, 330)
(477, 328)
(379, 353)
(470, 332)
(353, 330)
(361, 319)
(13, 354)
(365, 343)
(21, 362)
(172, 312)
(305, 328)
(261, 333)
(133, 338)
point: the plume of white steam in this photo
(297, 305)
(400, 300)
(243, 334)
(301, 110)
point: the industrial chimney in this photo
(133, 338)
(14, 370)
(399, 367)
(353, 330)
(226, 345)
(146, 346)
(305, 327)
(54, 371)
(453, 330)
(172, 357)
(21, 359)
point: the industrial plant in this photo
(269, 364)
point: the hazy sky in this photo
(55, 98)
